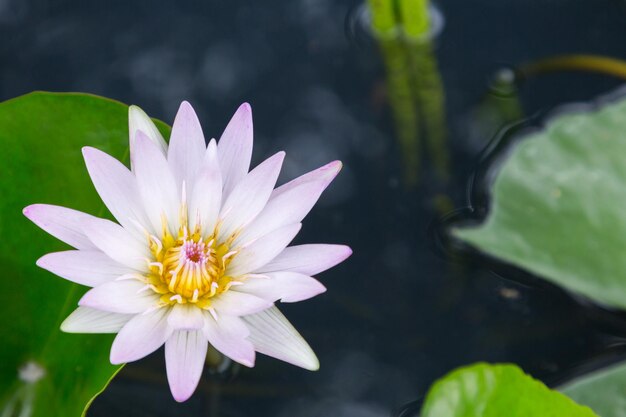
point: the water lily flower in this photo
(200, 254)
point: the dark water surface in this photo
(406, 308)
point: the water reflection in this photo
(414, 86)
(322, 128)
(12, 11)
(499, 107)
(347, 389)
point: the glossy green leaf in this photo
(484, 390)
(558, 205)
(603, 390)
(42, 135)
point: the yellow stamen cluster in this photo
(188, 268)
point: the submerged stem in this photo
(383, 16)
(415, 17)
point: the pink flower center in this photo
(194, 252)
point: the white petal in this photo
(117, 243)
(249, 196)
(117, 188)
(287, 208)
(139, 120)
(89, 320)
(288, 287)
(187, 146)
(185, 317)
(61, 222)
(235, 148)
(308, 259)
(206, 198)
(273, 335)
(156, 185)
(125, 296)
(83, 267)
(185, 353)
(228, 335)
(234, 303)
(326, 174)
(263, 250)
(141, 336)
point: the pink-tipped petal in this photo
(187, 146)
(249, 196)
(126, 296)
(262, 251)
(117, 243)
(235, 148)
(308, 259)
(185, 353)
(228, 335)
(206, 199)
(90, 268)
(297, 287)
(62, 223)
(89, 320)
(288, 287)
(141, 336)
(157, 188)
(139, 120)
(117, 187)
(185, 317)
(235, 303)
(273, 335)
(325, 174)
(287, 208)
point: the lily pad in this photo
(42, 369)
(483, 390)
(558, 204)
(603, 390)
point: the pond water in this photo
(409, 305)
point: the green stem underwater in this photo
(415, 17)
(383, 16)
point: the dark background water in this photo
(406, 308)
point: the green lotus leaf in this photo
(558, 204)
(43, 371)
(483, 390)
